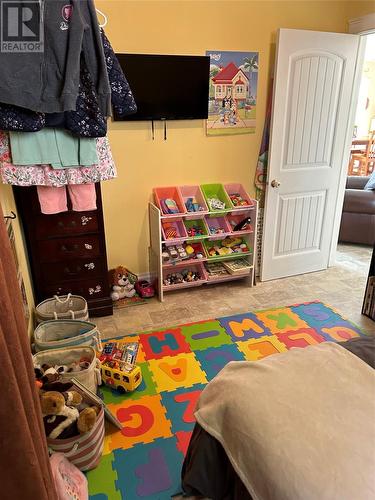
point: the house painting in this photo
(232, 92)
(231, 81)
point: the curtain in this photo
(24, 462)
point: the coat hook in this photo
(11, 216)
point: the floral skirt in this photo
(45, 175)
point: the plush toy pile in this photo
(65, 414)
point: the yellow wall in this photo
(188, 156)
(8, 204)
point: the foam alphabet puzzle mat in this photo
(144, 459)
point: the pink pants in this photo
(53, 199)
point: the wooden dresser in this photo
(67, 251)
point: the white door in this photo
(314, 79)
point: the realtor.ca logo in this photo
(21, 27)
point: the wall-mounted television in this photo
(167, 87)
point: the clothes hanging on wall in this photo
(47, 81)
(122, 98)
(53, 146)
(53, 200)
(55, 104)
(86, 120)
(45, 175)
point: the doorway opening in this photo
(357, 228)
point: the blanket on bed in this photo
(297, 425)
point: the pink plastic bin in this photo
(161, 193)
(193, 192)
(191, 267)
(175, 224)
(217, 223)
(234, 219)
(238, 189)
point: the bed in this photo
(306, 429)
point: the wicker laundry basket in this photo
(89, 377)
(63, 307)
(66, 333)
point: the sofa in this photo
(358, 213)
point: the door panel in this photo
(312, 92)
(300, 222)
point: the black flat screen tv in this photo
(167, 87)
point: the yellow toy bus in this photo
(121, 380)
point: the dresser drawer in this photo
(60, 249)
(89, 289)
(56, 272)
(66, 224)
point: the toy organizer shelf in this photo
(200, 240)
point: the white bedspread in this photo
(298, 425)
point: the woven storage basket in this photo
(66, 333)
(83, 451)
(90, 377)
(63, 307)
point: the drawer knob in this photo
(89, 266)
(85, 220)
(97, 289)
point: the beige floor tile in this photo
(342, 286)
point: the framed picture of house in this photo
(233, 92)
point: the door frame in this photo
(360, 26)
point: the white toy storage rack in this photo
(207, 219)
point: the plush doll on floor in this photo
(122, 283)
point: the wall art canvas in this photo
(233, 92)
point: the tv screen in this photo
(167, 87)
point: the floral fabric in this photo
(45, 175)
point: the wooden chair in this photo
(363, 164)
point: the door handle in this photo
(275, 183)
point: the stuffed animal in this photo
(59, 419)
(121, 287)
(48, 378)
(61, 416)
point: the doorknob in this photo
(275, 183)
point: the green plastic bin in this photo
(216, 191)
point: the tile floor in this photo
(341, 286)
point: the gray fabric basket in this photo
(90, 377)
(66, 333)
(62, 307)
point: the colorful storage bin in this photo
(198, 267)
(173, 229)
(195, 228)
(217, 226)
(237, 189)
(235, 218)
(193, 193)
(208, 245)
(216, 191)
(172, 193)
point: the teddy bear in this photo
(61, 416)
(120, 284)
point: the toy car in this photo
(123, 381)
(144, 289)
